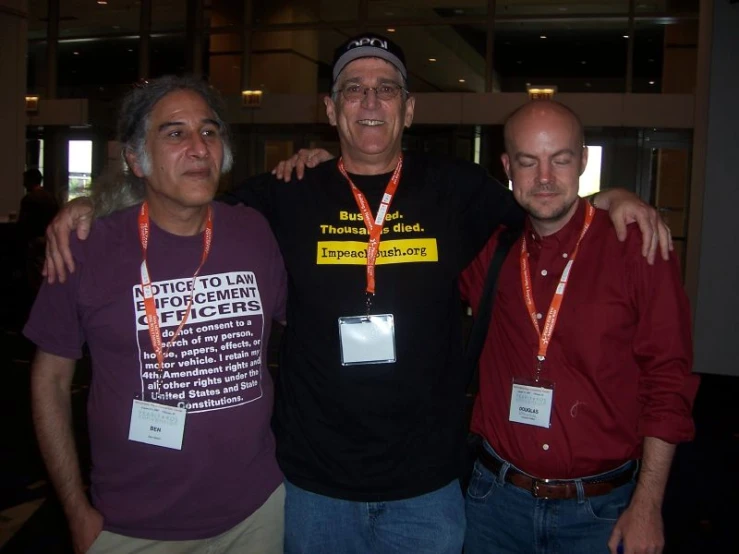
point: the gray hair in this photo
(118, 187)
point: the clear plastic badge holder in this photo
(367, 339)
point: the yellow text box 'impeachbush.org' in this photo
(391, 252)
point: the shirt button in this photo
(543, 271)
(538, 316)
(545, 446)
(564, 255)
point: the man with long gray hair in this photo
(173, 295)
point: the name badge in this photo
(367, 339)
(531, 403)
(157, 424)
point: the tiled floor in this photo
(701, 507)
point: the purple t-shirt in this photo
(218, 371)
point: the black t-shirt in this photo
(384, 431)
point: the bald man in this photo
(585, 374)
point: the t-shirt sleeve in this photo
(279, 278)
(482, 205)
(54, 324)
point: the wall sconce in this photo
(541, 92)
(251, 98)
(32, 104)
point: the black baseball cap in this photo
(368, 45)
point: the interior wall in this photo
(716, 302)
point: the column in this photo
(713, 243)
(13, 44)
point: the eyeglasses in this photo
(354, 93)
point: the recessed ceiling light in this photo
(542, 36)
(583, 62)
(102, 2)
(130, 49)
(432, 59)
(626, 36)
(76, 53)
(461, 80)
(651, 82)
(391, 30)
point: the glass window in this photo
(590, 179)
(665, 57)
(80, 168)
(573, 56)
(444, 58)
(563, 9)
(86, 19)
(167, 55)
(97, 68)
(168, 16)
(671, 7)
(278, 12)
(295, 61)
(426, 9)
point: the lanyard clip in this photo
(368, 301)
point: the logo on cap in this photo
(367, 41)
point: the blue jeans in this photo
(432, 523)
(504, 519)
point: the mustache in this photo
(546, 187)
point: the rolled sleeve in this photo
(663, 347)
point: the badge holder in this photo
(532, 401)
(367, 339)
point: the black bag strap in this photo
(485, 310)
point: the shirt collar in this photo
(566, 237)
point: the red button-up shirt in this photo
(620, 356)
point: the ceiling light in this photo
(102, 2)
(542, 36)
(391, 30)
(130, 49)
(432, 59)
(461, 80)
(583, 62)
(588, 85)
(651, 82)
(76, 53)
(626, 36)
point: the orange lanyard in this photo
(374, 225)
(545, 336)
(152, 318)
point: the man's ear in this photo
(410, 105)
(133, 163)
(506, 160)
(584, 161)
(330, 110)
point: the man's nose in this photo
(198, 146)
(544, 174)
(369, 100)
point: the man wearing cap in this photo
(369, 413)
